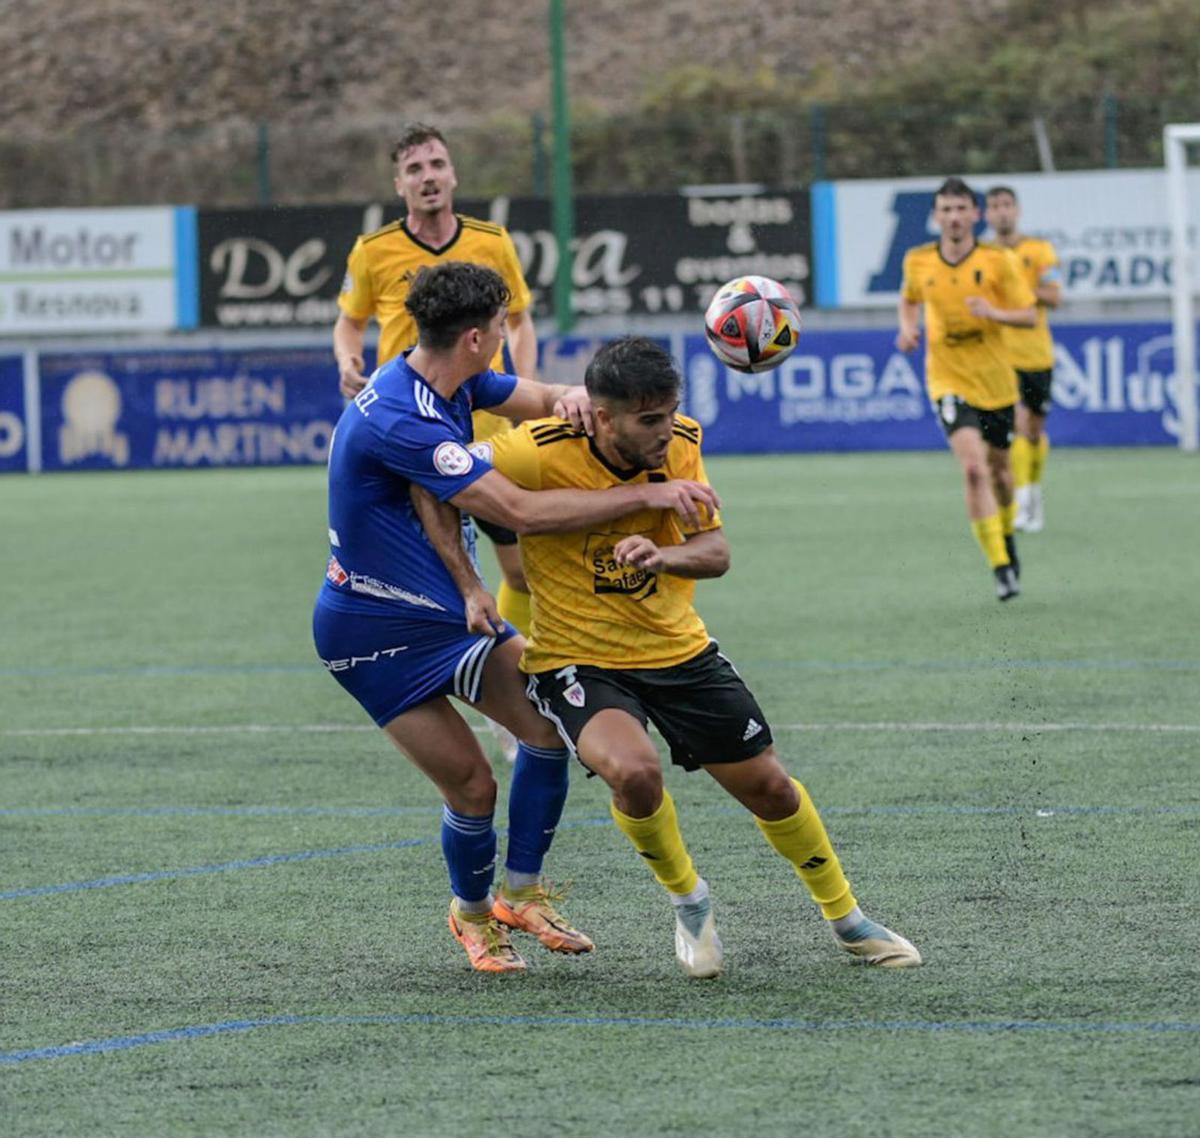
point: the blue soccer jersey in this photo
(396, 432)
(389, 623)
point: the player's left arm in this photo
(442, 523)
(1018, 307)
(1048, 289)
(701, 555)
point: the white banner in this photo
(1109, 227)
(87, 270)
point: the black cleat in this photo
(1007, 586)
(1010, 547)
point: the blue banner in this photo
(1114, 385)
(14, 434)
(260, 407)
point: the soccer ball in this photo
(752, 324)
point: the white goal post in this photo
(1176, 139)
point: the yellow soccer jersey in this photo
(1032, 349)
(587, 609)
(382, 265)
(966, 355)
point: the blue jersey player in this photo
(401, 634)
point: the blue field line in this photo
(163, 670)
(220, 811)
(1103, 665)
(1044, 812)
(941, 809)
(205, 870)
(246, 863)
(236, 1027)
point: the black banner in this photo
(644, 254)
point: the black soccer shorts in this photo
(499, 534)
(702, 707)
(996, 426)
(1035, 389)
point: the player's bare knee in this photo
(474, 794)
(976, 474)
(637, 784)
(540, 732)
(767, 791)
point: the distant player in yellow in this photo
(380, 270)
(1031, 351)
(616, 643)
(970, 293)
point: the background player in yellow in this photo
(379, 272)
(1031, 351)
(969, 292)
(616, 642)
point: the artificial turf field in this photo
(222, 902)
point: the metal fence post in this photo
(1111, 142)
(817, 140)
(264, 164)
(541, 163)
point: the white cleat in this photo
(1036, 520)
(872, 943)
(1024, 510)
(697, 946)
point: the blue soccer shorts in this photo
(391, 662)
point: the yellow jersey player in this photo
(1031, 351)
(616, 643)
(969, 292)
(379, 273)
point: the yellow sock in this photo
(1037, 457)
(989, 532)
(1020, 454)
(660, 843)
(514, 607)
(1008, 517)
(803, 841)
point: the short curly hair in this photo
(448, 298)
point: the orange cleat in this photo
(532, 911)
(486, 942)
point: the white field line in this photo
(894, 726)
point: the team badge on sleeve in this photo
(452, 460)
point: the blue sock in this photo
(469, 847)
(535, 804)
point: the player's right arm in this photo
(908, 312)
(357, 303)
(442, 524)
(495, 499)
(349, 336)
